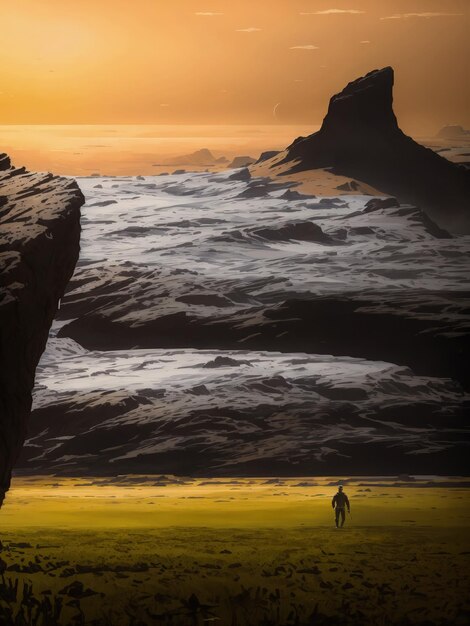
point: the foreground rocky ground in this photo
(261, 552)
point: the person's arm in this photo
(347, 504)
(333, 501)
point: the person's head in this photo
(340, 488)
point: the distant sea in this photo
(82, 150)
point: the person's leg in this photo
(343, 517)
(336, 517)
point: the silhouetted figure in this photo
(339, 503)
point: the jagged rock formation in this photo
(360, 138)
(39, 246)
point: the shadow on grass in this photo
(20, 606)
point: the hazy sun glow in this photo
(225, 62)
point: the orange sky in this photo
(227, 61)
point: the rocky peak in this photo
(364, 103)
(360, 138)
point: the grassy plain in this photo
(235, 552)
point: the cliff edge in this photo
(39, 247)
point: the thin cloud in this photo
(365, 41)
(207, 13)
(306, 47)
(334, 12)
(251, 29)
(405, 16)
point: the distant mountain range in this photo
(205, 158)
(453, 131)
(202, 158)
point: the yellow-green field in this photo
(233, 552)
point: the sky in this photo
(227, 61)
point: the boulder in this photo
(299, 231)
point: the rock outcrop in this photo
(241, 161)
(242, 174)
(39, 247)
(268, 154)
(203, 157)
(360, 138)
(297, 231)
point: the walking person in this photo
(339, 503)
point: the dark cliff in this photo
(39, 247)
(360, 138)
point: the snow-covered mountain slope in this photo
(238, 412)
(203, 261)
(229, 325)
